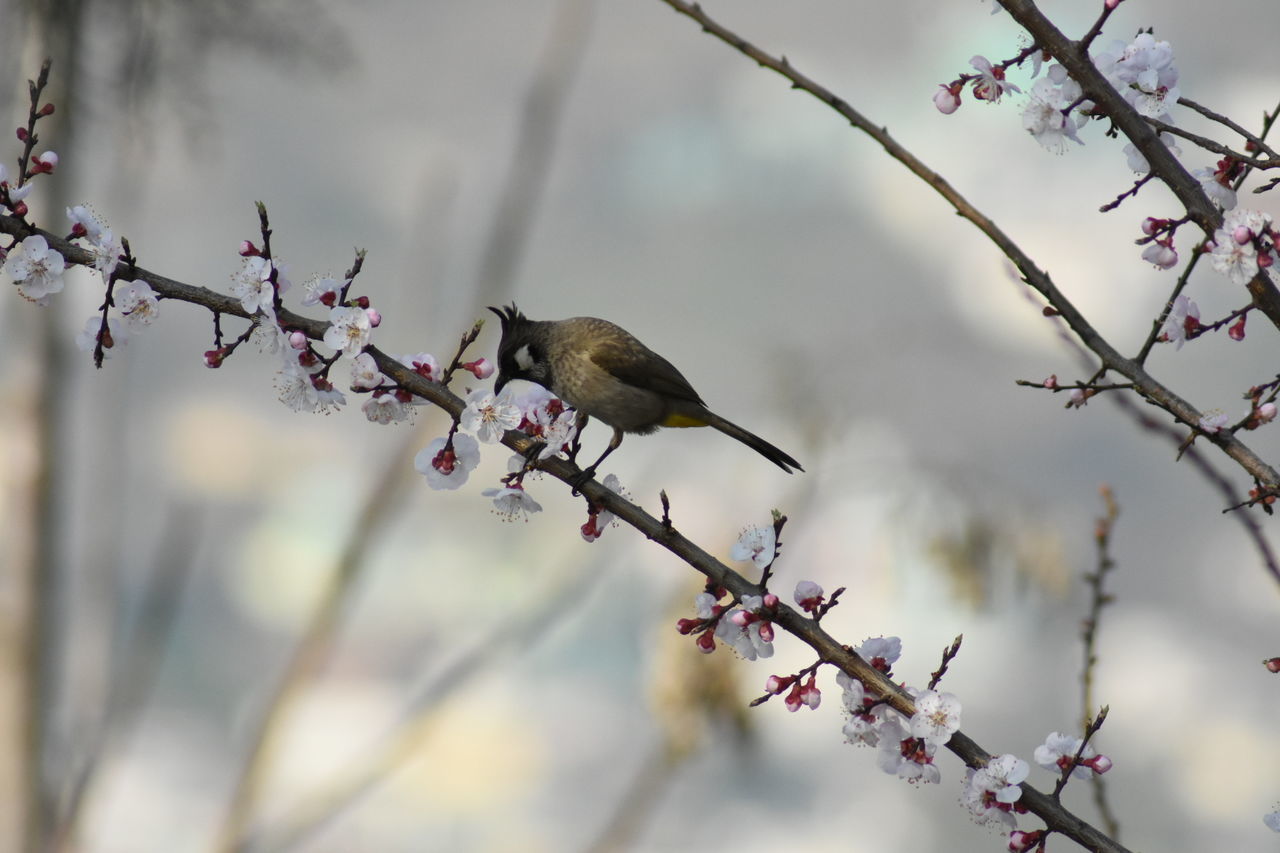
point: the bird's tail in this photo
(755, 442)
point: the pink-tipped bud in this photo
(1098, 764)
(1242, 234)
(775, 684)
(1236, 331)
(947, 98)
(1052, 381)
(1267, 413)
(214, 357)
(766, 632)
(1151, 226)
(47, 109)
(375, 319)
(46, 162)
(22, 134)
(248, 250)
(706, 642)
(808, 595)
(362, 302)
(482, 368)
(20, 209)
(1272, 665)
(770, 601)
(742, 618)
(688, 626)
(1020, 842)
(297, 340)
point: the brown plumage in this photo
(605, 372)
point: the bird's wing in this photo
(656, 374)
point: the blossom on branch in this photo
(36, 269)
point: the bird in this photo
(605, 372)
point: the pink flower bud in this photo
(766, 631)
(687, 626)
(775, 684)
(46, 162)
(1267, 412)
(1099, 764)
(706, 642)
(1242, 234)
(1236, 332)
(947, 99)
(1272, 665)
(22, 134)
(770, 601)
(214, 357)
(481, 368)
(375, 319)
(297, 340)
(248, 250)
(47, 110)
(1052, 381)
(1020, 842)
(741, 618)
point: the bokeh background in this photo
(171, 532)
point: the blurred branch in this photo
(1098, 599)
(513, 631)
(636, 804)
(137, 661)
(532, 155)
(312, 647)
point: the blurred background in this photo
(228, 626)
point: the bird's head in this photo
(522, 350)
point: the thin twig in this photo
(1098, 599)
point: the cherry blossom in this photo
(447, 465)
(36, 269)
(138, 304)
(990, 85)
(348, 330)
(757, 544)
(512, 502)
(937, 717)
(489, 417)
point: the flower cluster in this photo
(1244, 244)
(598, 518)
(1059, 751)
(747, 628)
(992, 793)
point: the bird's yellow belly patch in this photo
(682, 421)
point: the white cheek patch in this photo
(524, 360)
